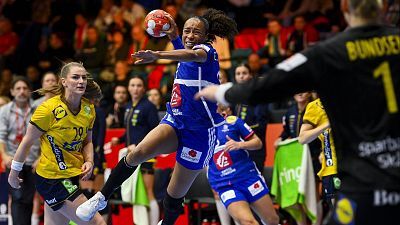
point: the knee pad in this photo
(173, 205)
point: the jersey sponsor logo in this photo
(228, 195)
(327, 149)
(59, 112)
(51, 201)
(292, 62)
(67, 183)
(190, 155)
(57, 153)
(227, 171)
(255, 188)
(222, 160)
(385, 198)
(176, 98)
(73, 146)
(177, 112)
(344, 212)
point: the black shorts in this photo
(56, 191)
(372, 208)
(328, 187)
(147, 168)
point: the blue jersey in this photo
(190, 78)
(234, 166)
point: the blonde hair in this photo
(92, 92)
(368, 9)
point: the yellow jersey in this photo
(316, 116)
(63, 139)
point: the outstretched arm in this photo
(183, 55)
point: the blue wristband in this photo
(177, 42)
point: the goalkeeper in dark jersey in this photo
(357, 75)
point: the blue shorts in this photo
(56, 191)
(249, 190)
(195, 147)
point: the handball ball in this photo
(156, 22)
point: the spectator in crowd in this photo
(256, 66)
(34, 77)
(155, 97)
(140, 119)
(117, 49)
(244, 183)
(14, 120)
(64, 126)
(58, 51)
(301, 37)
(4, 100)
(5, 82)
(223, 76)
(93, 51)
(80, 33)
(119, 24)
(274, 49)
(105, 16)
(8, 42)
(49, 79)
(132, 12)
(255, 116)
(116, 112)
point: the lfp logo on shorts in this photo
(190, 155)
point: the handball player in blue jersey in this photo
(235, 177)
(189, 125)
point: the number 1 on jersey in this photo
(384, 70)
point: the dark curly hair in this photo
(217, 23)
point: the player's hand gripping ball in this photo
(156, 22)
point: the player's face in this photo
(193, 33)
(49, 80)
(302, 97)
(242, 74)
(136, 88)
(76, 81)
(224, 111)
(154, 96)
(21, 92)
(120, 94)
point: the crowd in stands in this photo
(38, 36)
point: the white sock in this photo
(154, 212)
(223, 213)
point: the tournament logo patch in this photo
(228, 195)
(345, 211)
(190, 155)
(59, 112)
(87, 109)
(255, 188)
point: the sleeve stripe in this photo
(248, 136)
(37, 126)
(309, 122)
(201, 46)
